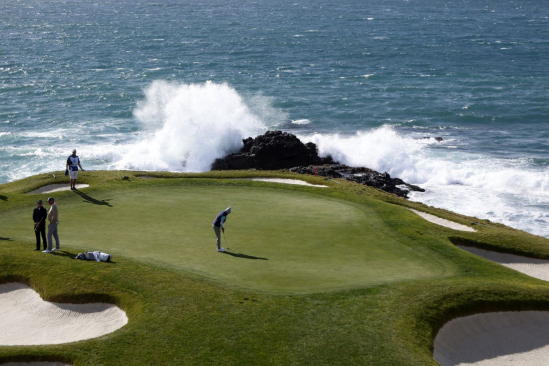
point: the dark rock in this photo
(271, 151)
(361, 175)
(281, 150)
(439, 139)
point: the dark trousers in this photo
(41, 230)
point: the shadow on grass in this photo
(5, 239)
(89, 199)
(240, 255)
(3, 198)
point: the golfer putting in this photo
(218, 226)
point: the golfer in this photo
(73, 162)
(39, 216)
(53, 218)
(218, 225)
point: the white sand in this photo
(443, 222)
(499, 338)
(538, 268)
(26, 319)
(286, 181)
(57, 188)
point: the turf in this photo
(183, 314)
(286, 241)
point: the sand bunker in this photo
(26, 319)
(442, 222)
(286, 181)
(538, 268)
(57, 188)
(502, 338)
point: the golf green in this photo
(284, 240)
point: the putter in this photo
(224, 238)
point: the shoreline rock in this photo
(281, 150)
(361, 175)
(271, 151)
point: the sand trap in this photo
(57, 188)
(538, 268)
(34, 364)
(26, 319)
(286, 181)
(442, 222)
(502, 338)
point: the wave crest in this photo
(191, 126)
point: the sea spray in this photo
(510, 191)
(191, 125)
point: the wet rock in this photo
(281, 150)
(363, 176)
(271, 151)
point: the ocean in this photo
(172, 85)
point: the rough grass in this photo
(178, 316)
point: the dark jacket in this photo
(220, 218)
(40, 214)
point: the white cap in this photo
(228, 210)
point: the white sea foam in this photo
(507, 191)
(303, 121)
(191, 125)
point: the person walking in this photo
(39, 216)
(73, 162)
(53, 218)
(219, 225)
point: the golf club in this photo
(226, 244)
(36, 226)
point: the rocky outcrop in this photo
(282, 150)
(273, 150)
(364, 176)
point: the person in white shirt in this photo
(73, 162)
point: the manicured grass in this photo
(183, 309)
(286, 241)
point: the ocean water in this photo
(171, 85)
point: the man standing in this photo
(73, 162)
(53, 218)
(39, 217)
(218, 225)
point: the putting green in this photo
(285, 240)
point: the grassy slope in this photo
(179, 318)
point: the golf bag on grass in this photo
(94, 256)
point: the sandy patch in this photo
(57, 188)
(26, 319)
(286, 181)
(442, 222)
(538, 268)
(500, 338)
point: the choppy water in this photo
(172, 85)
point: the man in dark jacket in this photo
(39, 217)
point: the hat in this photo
(50, 199)
(228, 210)
(39, 201)
(73, 150)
